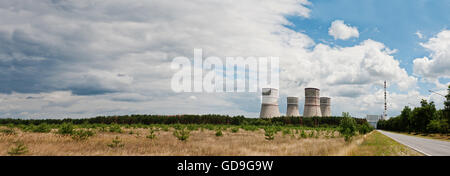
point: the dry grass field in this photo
(200, 142)
(203, 142)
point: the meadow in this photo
(169, 140)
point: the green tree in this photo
(406, 117)
(423, 115)
(447, 106)
(347, 128)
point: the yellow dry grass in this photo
(242, 143)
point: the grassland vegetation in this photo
(82, 134)
(377, 144)
(8, 131)
(116, 142)
(246, 137)
(19, 148)
(181, 134)
(66, 129)
(152, 132)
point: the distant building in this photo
(373, 119)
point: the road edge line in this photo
(420, 151)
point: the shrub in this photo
(249, 128)
(165, 128)
(116, 142)
(82, 134)
(303, 134)
(182, 134)
(219, 132)
(270, 133)
(438, 126)
(311, 134)
(66, 129)
(8, 131)
(286, 131)
(41, 128)
(192, 127)
(234, 129)
(18, 149)
(115, 128)
(364, 128)
(102, 128)
(347, 128)
(152, 134)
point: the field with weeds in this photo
(168, 140)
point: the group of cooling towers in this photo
(315, 106)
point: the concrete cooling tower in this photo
(312, 103)
(292, 107)
(269, 105)
(325, 106)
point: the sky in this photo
(85, 58)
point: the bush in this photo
(438, 126)
(8, 131)
(116, 142)
(234, 129)
(115, 128)
(82, 134)
(219, 132)
(286, 131)
(303, 134)
(152, 134)
(270, 132)
(311, 134)
(19, 149)
(66, 129)
(364, 128)
(347, 128)
(41, 128)
(182, 134)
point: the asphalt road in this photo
(430, 147)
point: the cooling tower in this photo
(292, 107)
(269, 105)
(325, 106)
(312, 103)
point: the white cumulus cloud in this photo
(339, 30)
(437, 64)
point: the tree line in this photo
(189, 119)
(423, 119)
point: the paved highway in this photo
(430, 147)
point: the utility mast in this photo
(385, 103)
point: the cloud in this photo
(339, 30)
(419, 34)
(87, 58)
(437, 64)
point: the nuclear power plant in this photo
(292, 107)
(315, 106)
(269, 105)
(325, 106)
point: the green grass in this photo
(377, 144)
